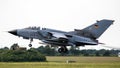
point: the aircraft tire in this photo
(30, 45)
(62, 50)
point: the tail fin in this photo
(98, 28)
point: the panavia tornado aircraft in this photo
(86, 36)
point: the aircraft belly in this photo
(81, 43)
(55, 43)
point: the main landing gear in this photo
(63, 49)
(31, 40)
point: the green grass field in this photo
(60, 62)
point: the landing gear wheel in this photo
(60, 50)
(63, 50)
(30, 45)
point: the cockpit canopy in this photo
(33, 28)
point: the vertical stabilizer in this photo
(98, 28)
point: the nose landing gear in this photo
(31, 40)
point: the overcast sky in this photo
(63, 15)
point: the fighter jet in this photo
(86, 36)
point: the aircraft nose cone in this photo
(14, 32)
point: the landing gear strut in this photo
(63, 49)
(31, 40)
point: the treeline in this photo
(30, 55)
(17, 54)
(47, 50)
